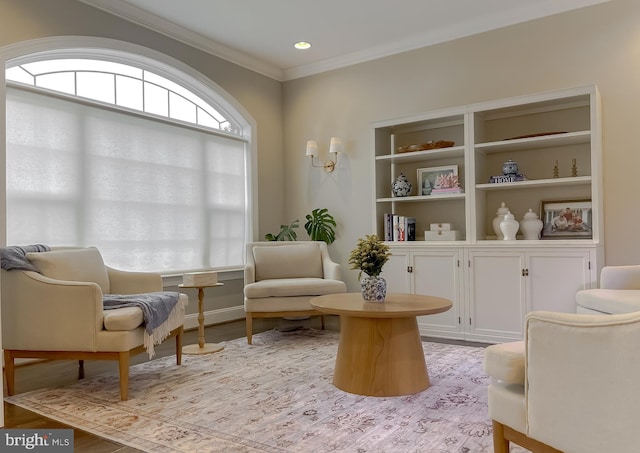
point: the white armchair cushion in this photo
(505, 362)
(80, 265)
(287, 261)
(127, 318)
(288, 287)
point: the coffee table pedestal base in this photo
(380, 357)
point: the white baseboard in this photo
(215, 317)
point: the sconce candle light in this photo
(335, 147)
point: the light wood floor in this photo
(58, 373)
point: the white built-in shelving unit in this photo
(494, 283)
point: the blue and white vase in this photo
(373, 288)
(401, 187)
(510, 168)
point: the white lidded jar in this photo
(531, 225)
(509, 227)
(502, 211)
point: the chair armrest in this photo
(249, 274)
(581, 370)
(41, 313)
(620, 277)
(127, 282)
(505, 362)
(331, 270)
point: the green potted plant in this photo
(287, 233)
(320, 226)
(369, 256)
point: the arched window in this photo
(123, 85)
(105, 152)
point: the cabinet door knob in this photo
(410, 269)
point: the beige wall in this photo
(600, 44)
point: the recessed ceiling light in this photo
(302, 45)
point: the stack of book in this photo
(507, 178)
(436, 191)
(399, 228)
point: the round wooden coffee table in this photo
(380, 351)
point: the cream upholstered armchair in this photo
(570, 386)
(619, 292)
(281, 277)
(56, 312)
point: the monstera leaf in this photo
(320, 226)
(287, 233)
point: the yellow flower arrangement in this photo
(369, 256)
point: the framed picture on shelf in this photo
(437, 180)
(566, 219)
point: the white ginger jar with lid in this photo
(509, 227)
(531, 225)
(502, 211)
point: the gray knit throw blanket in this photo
(156, 311)
(15, 256)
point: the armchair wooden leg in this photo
(80, 369)
(322, 322)
(249, 319)
(500, 444)
(123, 361)
(9, 372)
(179, 346)
(503, 435)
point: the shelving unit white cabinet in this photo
(503, 285)
(496, 295)
(499, 281)
(437, 272)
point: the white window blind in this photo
(150, 195)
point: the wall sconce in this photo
(335, 147)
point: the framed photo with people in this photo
(563, 219)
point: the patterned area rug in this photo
(277, 396)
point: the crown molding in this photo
(524, 13)
(152, 22)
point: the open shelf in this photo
(480, 132)
(551, 182)
(568, 138)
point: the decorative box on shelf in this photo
(440, 227)
(442, 235)
(200, 279)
